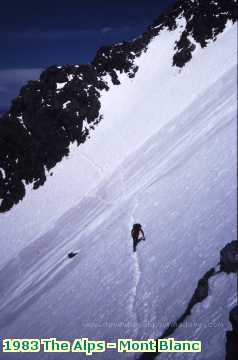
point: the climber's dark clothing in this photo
(137, 235)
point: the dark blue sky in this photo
(37, 34)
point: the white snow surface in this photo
(132, 112)
(164, 155)
(66, 103)
(60, 85)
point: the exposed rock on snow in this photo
(232, 336)
(229, 257)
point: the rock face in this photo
(234, 318)
(63, 106)
(229, 257)
(232, 336)
(202, 289)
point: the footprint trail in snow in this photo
(137, 272)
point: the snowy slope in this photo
(181, 184)
(157, 94)
(164, 155)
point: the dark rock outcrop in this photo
(72, 254)
(232, 336)
(202, 289)
(229, 257)
(184, 51)
(205, 20)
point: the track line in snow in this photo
(137, 270)
(99, 168)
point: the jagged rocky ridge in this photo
(228, 264)
(63, 106)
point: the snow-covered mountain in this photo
(155, 121)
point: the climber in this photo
(137, 234)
